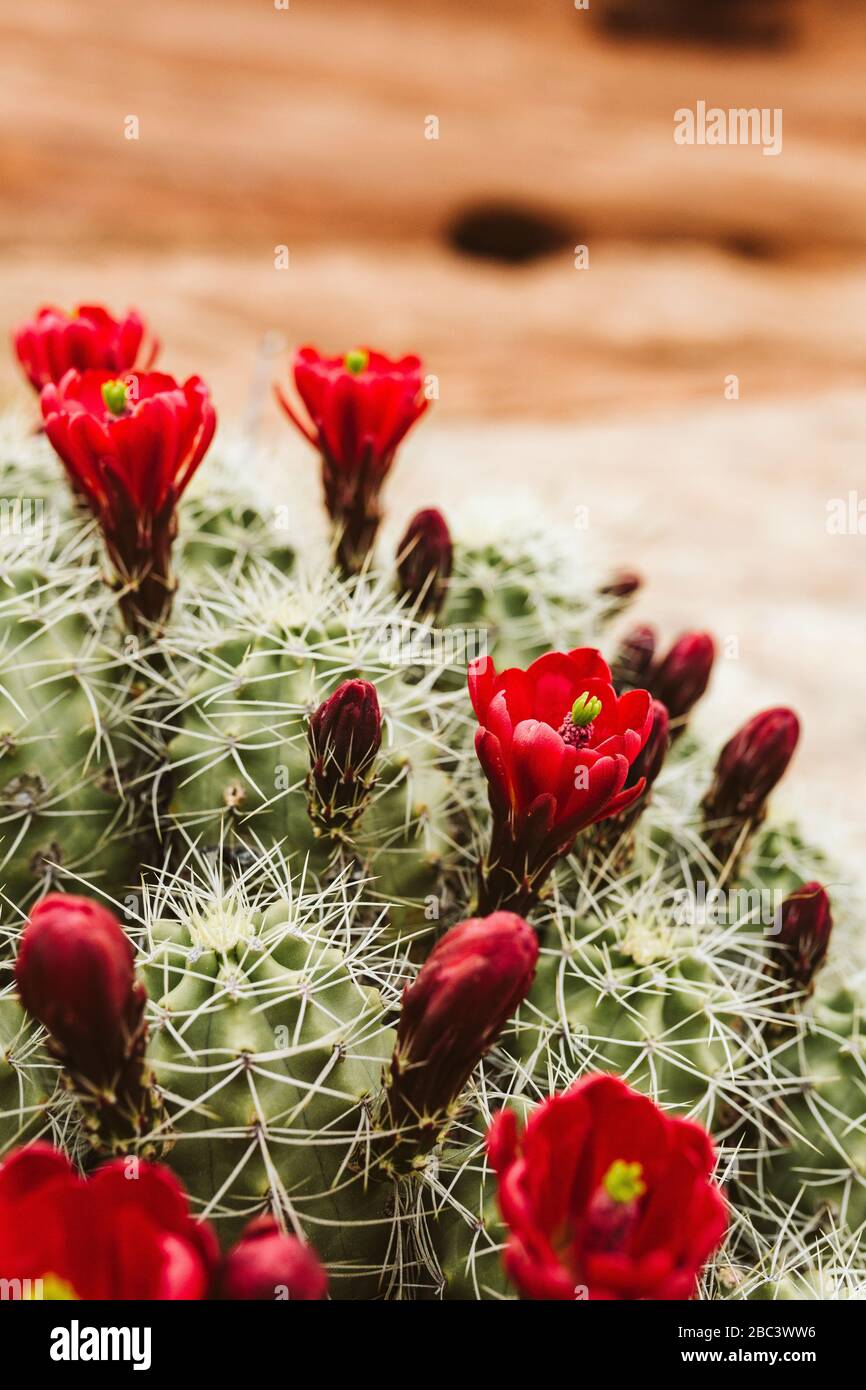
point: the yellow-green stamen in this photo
(585, 708)
(114, 396)
(52, 1289)
(623, 1182)
(356, 361)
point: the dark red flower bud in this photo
(748, 768)
(266, 1264)
(75, 975)
(466, 991)
(631, 665)
(344, 735)
(752, 762)
(682, 676)
(650, 760)
(623, 585)
(804, 933)
(607, 836)
(424, 559)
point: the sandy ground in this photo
(604, 387)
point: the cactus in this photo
(282, 886)
(267, 1043)
(253, 662)
(68, 749)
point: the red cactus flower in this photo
(605, 1196)
(344, 735)
(681, 677)
(125, 1233)
(130, 448)
(468, 988)
(425, 557)
(88, 338)
(804, 933)
(75, 975)
(266, 1264)
(556, 744)
(360, 407)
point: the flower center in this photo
(356, 361)
(614, 1210)
(53, 1289)
(623, 1182)
(114, 396)
(576, 728)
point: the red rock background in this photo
(305, 127)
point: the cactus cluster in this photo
(290, 917)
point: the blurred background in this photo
(427, 172)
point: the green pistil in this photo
(623, 1182)
(54, 1290)
(114, 396)
(356, 361)
(585, 708)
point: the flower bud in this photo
(468, 988)
(804, 933)
(752, 762)
(612, 834)
(650, 760)
(424, 559)
(681, 678)
(266, 1264)
(75, 975)
(344, 735)
(622, 585)
(630, 667)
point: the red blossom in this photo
(556, 744)
(359, 407)
(605, 1196)
(125, 1233)
(89, 338)
(469, 986)
(130, 448)
(266, 1264)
